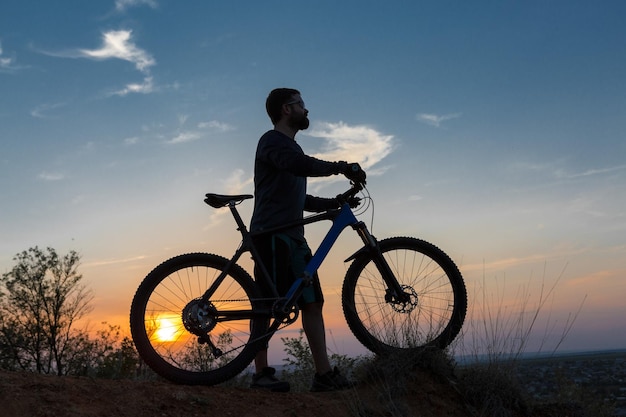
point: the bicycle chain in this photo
(258, 338)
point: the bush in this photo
(299, 367)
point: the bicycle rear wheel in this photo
(438, 300)
(158, 328)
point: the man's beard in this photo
(301, 122)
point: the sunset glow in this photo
(494, 130)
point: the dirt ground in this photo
(32, 395)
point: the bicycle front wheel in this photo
(437, 304)
(165, 311)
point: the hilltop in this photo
(430, 386)
(32, 395)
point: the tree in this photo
(107, 355)
(41, 299)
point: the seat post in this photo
(241, 226)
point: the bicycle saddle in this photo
(220, 200)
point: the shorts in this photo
(284, 259)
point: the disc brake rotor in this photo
(408, 305)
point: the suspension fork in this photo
(395, 292)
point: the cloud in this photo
(51, 176)
(7, 64)
(122, 5)
(184, 137)
(146, 87)
(117, 44)
(97, 263)
(202, 130)
(133, 140)
(557, 170)
(592, 172)
(237, 182)
(216, 126)
(436, 120)
(182, 119)
(41, 110)
(359, 143)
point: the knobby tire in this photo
(437, 309)
(157, 328)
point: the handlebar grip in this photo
(344, 197)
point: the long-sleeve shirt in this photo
(280, 171)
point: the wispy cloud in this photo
(146, 87)
(133, 140)
(436, 120)
(118, 44)
(557, 169)
(4, 61)
(504, 264)
(184, 137)
(237, 182)
(216, 126)
(123, 5)
(51, 176)
(7, 64)
(41, 111)
(592, 172)
(104, 262)
(359, 143)
(202, 130)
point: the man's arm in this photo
(318, 204)
(288, 156)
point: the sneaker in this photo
(266, 380)
(331, 381)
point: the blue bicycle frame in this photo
(341, 218)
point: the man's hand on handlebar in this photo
(355, 173)
(354, 202)
(350, 195)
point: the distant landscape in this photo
(595, 374)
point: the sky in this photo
(493, 129)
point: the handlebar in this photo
(353, 191)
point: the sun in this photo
(169, 328)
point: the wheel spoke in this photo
(164, 336)
(437, 298)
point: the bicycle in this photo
(200, 318)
